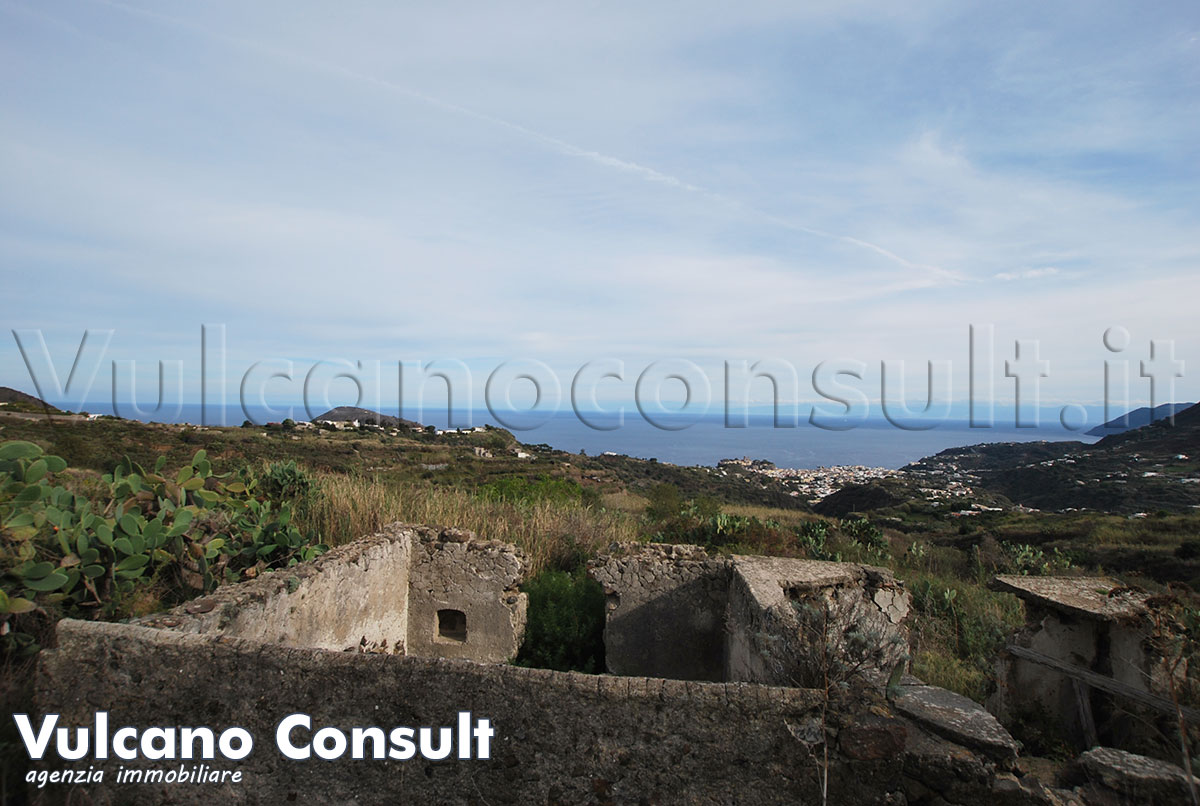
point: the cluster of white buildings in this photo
(812, 484)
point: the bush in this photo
(960, 627)
(565, 627)
(665, 502)
(519, 490)
(1028, 560)
(1188, 550)
(868, 537)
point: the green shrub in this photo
(665, 502)
(959, 628)
(1028, 560)
(565, 627)
(520, 490)
(1188, 550)
(868, 537)
(812, 538)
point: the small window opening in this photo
(452, 625)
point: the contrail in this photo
(561, 146)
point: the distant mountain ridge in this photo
(1137, 418)
(345, 414)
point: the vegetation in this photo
(565, 628)
(553, 534)
(192, 507)
(518, 489)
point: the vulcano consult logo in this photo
(295, 738)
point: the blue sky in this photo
(483, 182)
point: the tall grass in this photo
(959, 628)
(554, 534)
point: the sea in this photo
(703, 440)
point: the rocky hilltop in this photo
(346, 414)
(20, 401)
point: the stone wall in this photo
(789, 622)
(234, 659)
(682, 613)
(665, 611)
(356, 593)
(1093, 624)
(463, 599)
(561, 738)
(407, 590)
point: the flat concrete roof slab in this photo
(1099, 598)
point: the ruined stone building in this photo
(679, 612)
(409, 590)
(1085, 661)
(707, 699)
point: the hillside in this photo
(1156, 467)
(16, 400)
(468, 461)
(1137, 418)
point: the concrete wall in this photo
(1099, 625)
(665, 612)
(1024, 689)
(561, 738)
(381, 593)
(748, 657)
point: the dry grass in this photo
(787, 517)
(553, 535)
(624, 501)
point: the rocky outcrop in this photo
(960, 720)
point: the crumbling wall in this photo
(665, 611)
(1027, 690)
(407, 590)
(794, 622)
(561, 738)
(463, 598)
(352, 594)
(677, 611)
(1089, 623)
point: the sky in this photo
(544, 185)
